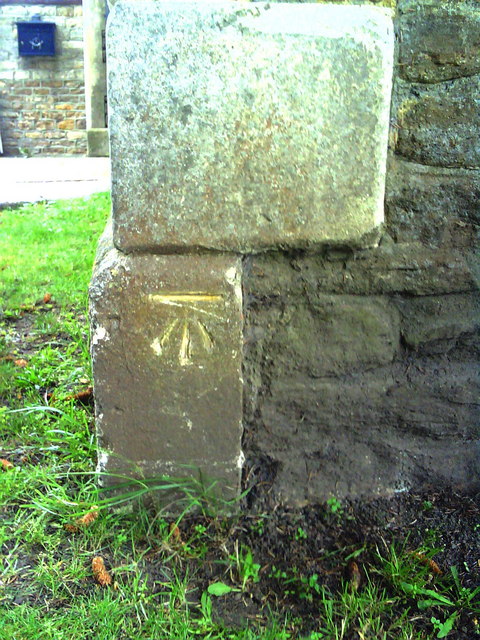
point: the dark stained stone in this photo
(390, 269)
(439, 40)
(438, 323)
(439, 124)
(432, 205)
(412, 423)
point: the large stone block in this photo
(331, 335)
(433, 205)
(410, 269)
(438, 40)
(167, 348)
(247, 126)
(439, 124)
(377, 431)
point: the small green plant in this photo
(218, 589)
(258, 526)
(335, 506)
(308, 587)
(121, 538)
(303, 587)
(300, 534)
(431, 538)
(443, 628)
(197, 545)
(200, 529)
(246, 567)
(205, 623)
(278, 574)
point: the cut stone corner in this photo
(167, 355)
(212, 160)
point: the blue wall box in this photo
(36, 38)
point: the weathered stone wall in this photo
(233, 129)
(362, 367)
(360, 361)
(42, 99)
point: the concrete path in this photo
(41, 178)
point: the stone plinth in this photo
(167, 352)
(244, 127)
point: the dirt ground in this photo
(316, 542)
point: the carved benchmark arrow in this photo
(193, 335)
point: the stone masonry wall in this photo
(42, 99)
(360, 359)
(236, 132)
(362, 367)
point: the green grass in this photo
(47, 587)
(49, 248)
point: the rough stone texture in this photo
(167, 348)
(440, 39)
(370, 433)
(334, 335)
(42, 100)
(398, 407)
(434, 200)
(440, 124)
(243, 127)
(97, 143)
(438, 324)
(408, 269)
(357, 395)
(433, 205)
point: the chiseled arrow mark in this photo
(190, 327)
(192, 296)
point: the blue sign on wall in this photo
(36, 38)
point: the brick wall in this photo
(42, 99)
